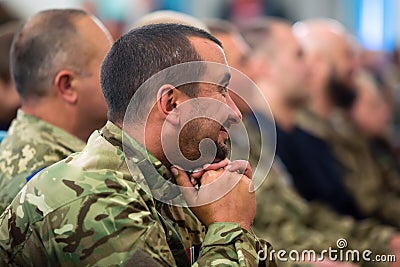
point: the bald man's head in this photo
(331, 56)
(47, 43)
(317, 35)
(327, 40)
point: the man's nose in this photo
(234, 116)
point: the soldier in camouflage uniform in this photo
(372, 116)
(328, 118)
(283, 216)
(290, 222)
(89, 209)
(58, 80)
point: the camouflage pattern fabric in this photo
(363, 176)
(390, 172)
(290, 222)
(88, 210)
(30, 145)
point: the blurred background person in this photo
(370, 111)
(330, 88)
(55, 64)
(9, 100)
(372, 116)
(332, 95)
(283, 76)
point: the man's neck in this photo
(284, 116)
(283, 113)
(320, 105)
(58, 117)
(149, 138)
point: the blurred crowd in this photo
(335, 106)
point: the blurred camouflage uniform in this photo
(289, 222)
(31, 144)
(389, 170)
(362, 174)
(89, 210)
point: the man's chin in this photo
(222, 152)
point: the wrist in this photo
(222, 233)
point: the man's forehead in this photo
(208, 50)
(217, 70)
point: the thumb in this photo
(182, 179)
(186, 187)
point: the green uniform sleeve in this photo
(102, 229)
(110, 228)
(226, 244)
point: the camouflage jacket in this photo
(363, 175)
(290, 222)
(30, 145)
(88, 210)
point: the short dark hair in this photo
(43, 45)
(141, 53)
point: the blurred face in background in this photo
(344, 59)
(237, 52)
(332, 58)
(370, 112)
(340, 83)
(288, 68)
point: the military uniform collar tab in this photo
(157, 176)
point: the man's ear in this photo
(166, 103)
(64, 83)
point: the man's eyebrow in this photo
(225, 80)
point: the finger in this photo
(181, 177)
(217, 165)
(241, 166)
(251, 187)
(248, 171)
(207, 167)
(193, 181)
(216, 184)
(186, 187)
(197, 174)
